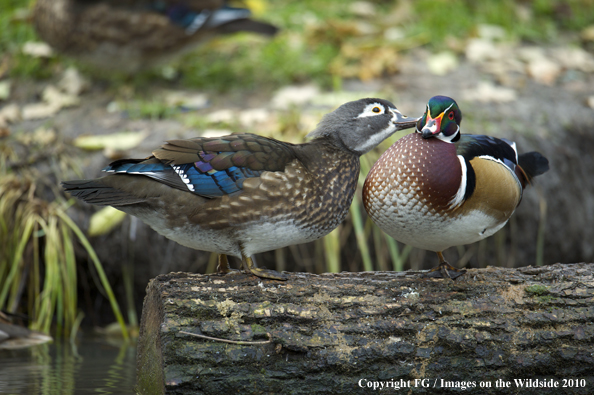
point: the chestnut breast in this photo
(415, 171)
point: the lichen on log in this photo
(339, 333)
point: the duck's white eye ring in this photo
(372, 109)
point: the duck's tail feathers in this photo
(532, 164)
(97, 192)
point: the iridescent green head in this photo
(441, 119)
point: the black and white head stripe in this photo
(376, 138)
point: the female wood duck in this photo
(437, 188)
(16, 336)
(244, 194)
(129, 35)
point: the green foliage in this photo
(15, 30)
(540, 20)
(151, 109)
(38, 273)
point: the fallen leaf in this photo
(105, 220)
(208, 133)
(491, 32)
(37, 49)
(56, 98)
(9, 114)
(190, 100)
(528, 54)
(114, 141)
(363, 8)
(4, 90)
(72, 82)
(44, 136)
(257, 7)
(394, 34)
(588, 33)
(39, 111)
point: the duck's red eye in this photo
(451, 115)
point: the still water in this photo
(92, 366)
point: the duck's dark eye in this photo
(451, 115)
(376, 109)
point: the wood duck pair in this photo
(244, 194)
(130, 35)
(437, 188)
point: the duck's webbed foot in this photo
(223, 265)
(250, 267)
(444, 270)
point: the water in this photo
(92, 366)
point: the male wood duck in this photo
(129, 35)
(437, 188)
(244, 194)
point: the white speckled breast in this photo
(408, 194)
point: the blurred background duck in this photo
(131, 35)
(15, 336)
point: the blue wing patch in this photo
(198, 177)
(213, 183)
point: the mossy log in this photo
(344, 333)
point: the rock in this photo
(491, 32)
(574, 58)
(293, 95)
(254, 116)
(544, 70)
(222, 116)
(479, 50)
(487, 92)
(37, 49)
(442, 62)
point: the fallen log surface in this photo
(346, 333)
